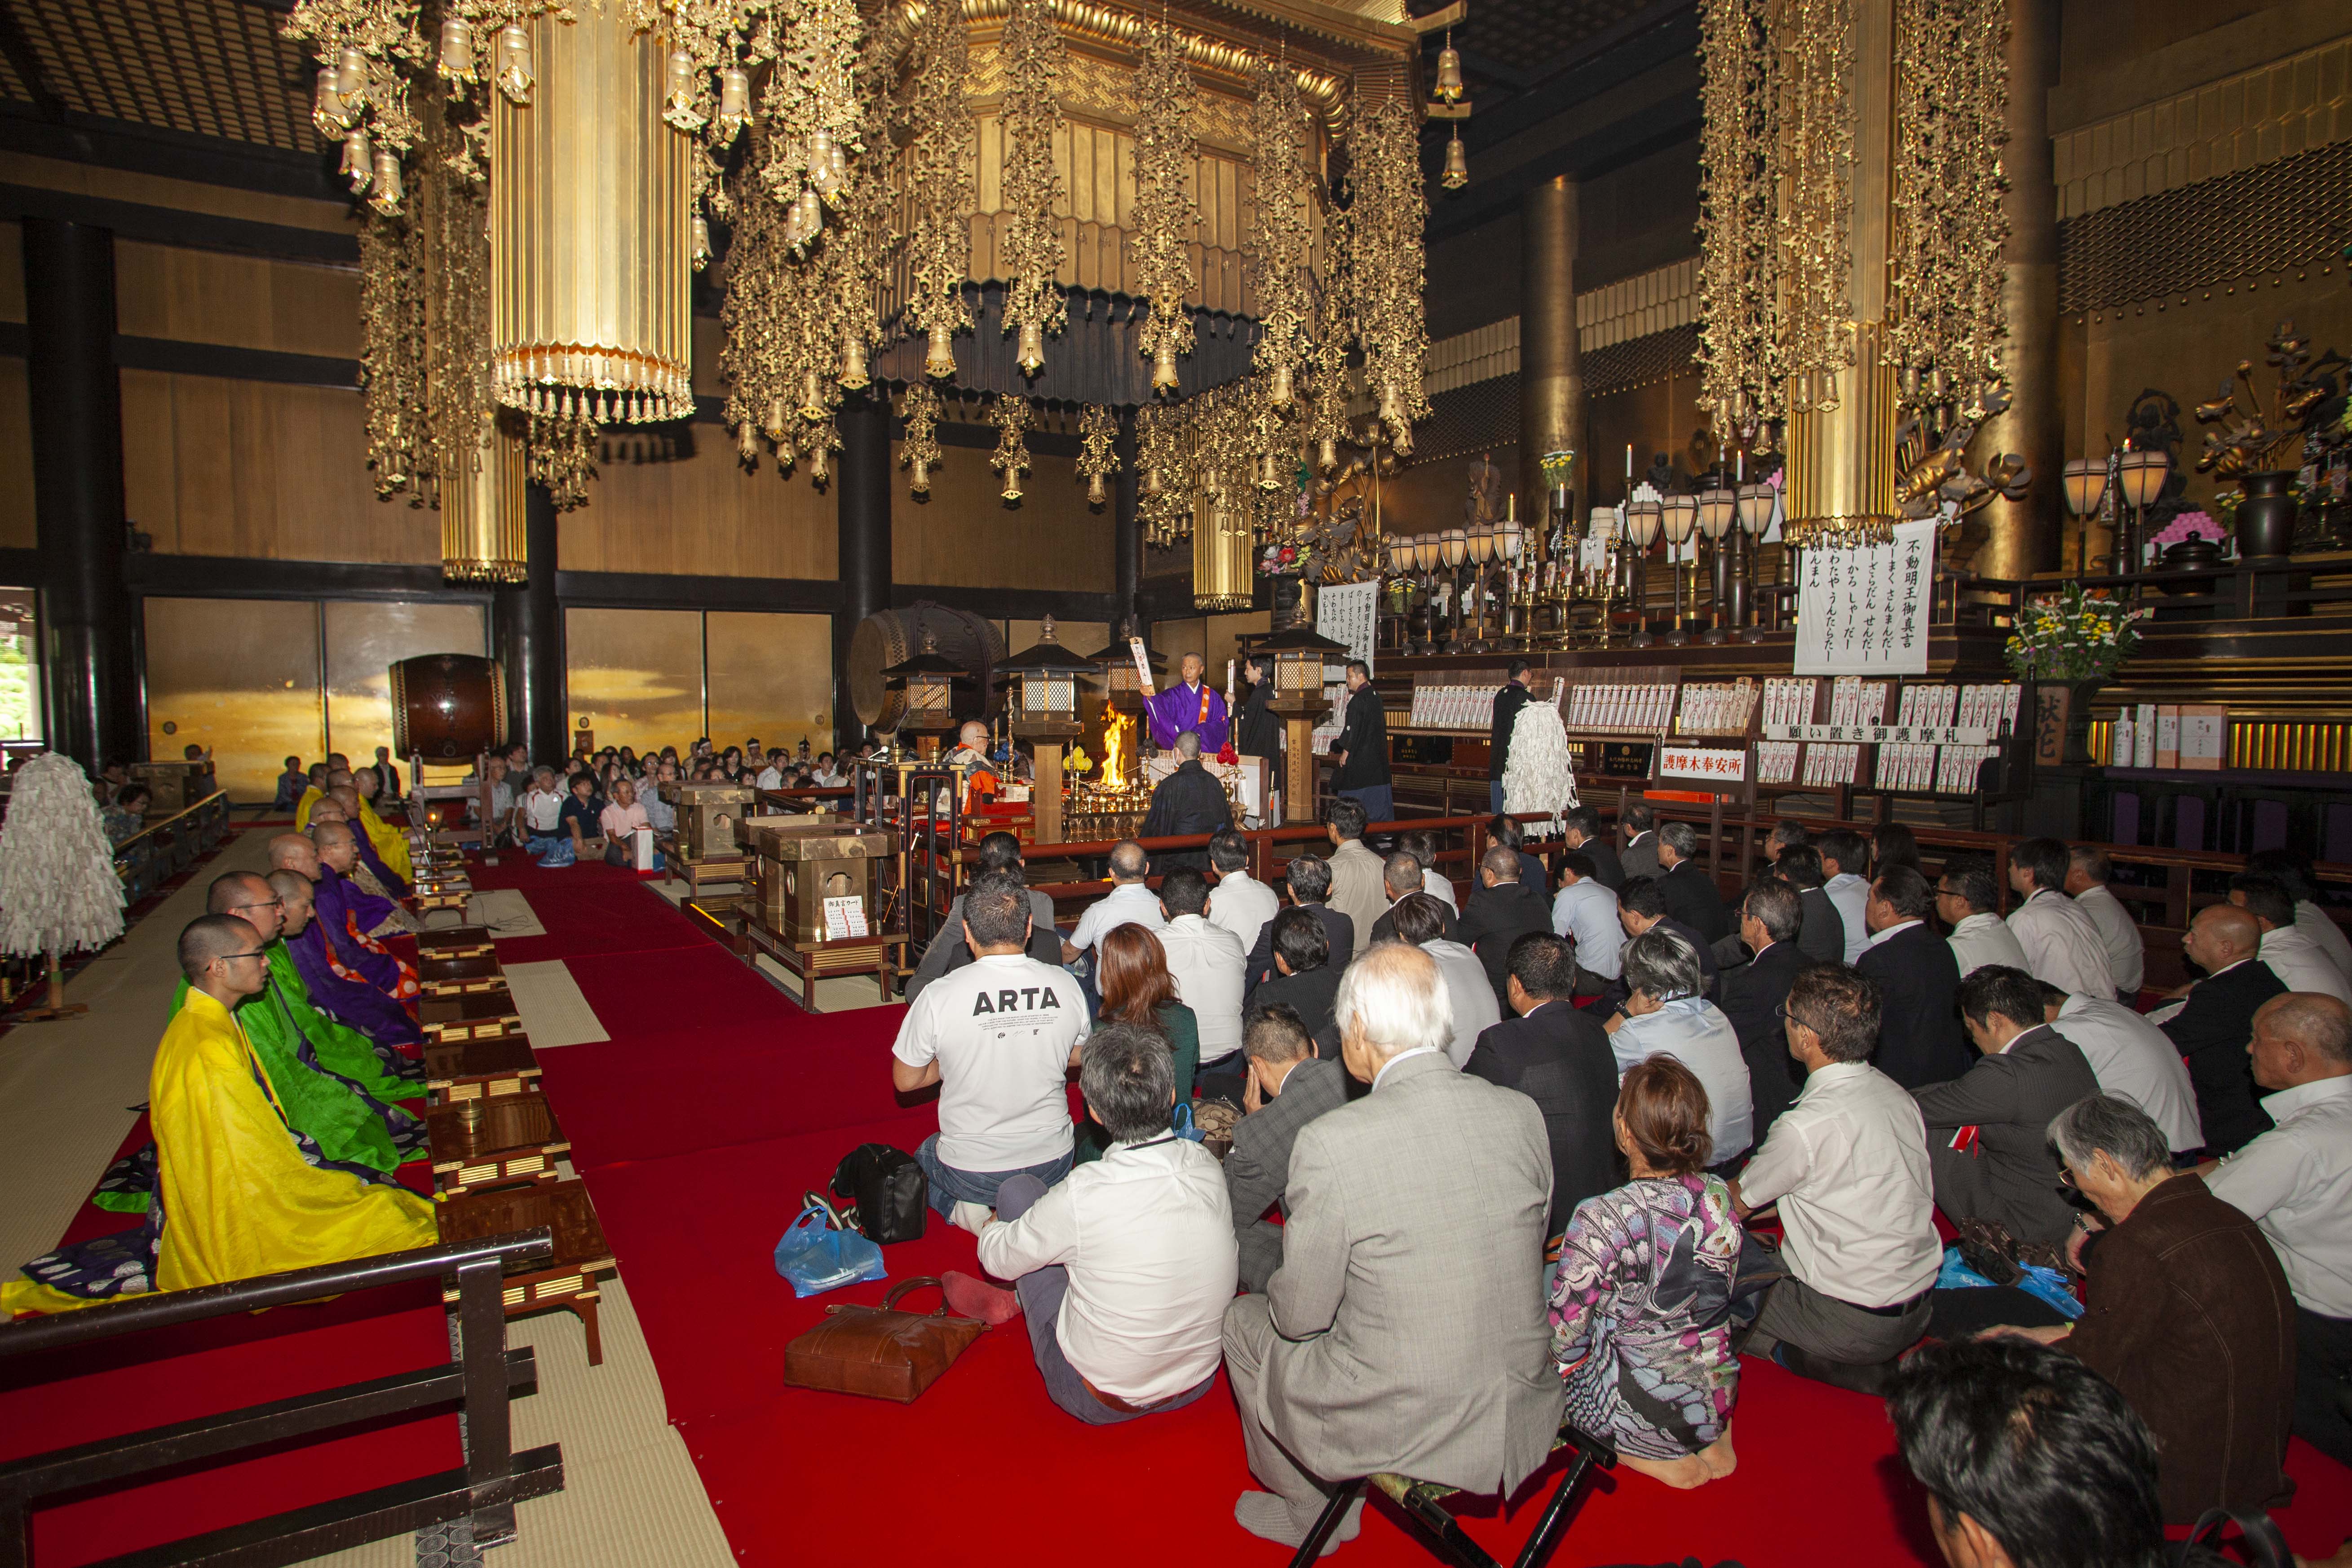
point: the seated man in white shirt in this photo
(1968, 900)
(2089, 872)
(2063, 947)
(999, 1037)
(2293, 957)
(2295, 1183)
(1239, 902)
(2310, 918)
(1205, 960)
(1666, 1013)
(1130, 902)
(773, 773)
(1584, 910)
(1847, 1165)
(1845, 857)
(1124, 1268)
(660, 814)
(2133, 1061)
(1419, 920)
(1422, 846)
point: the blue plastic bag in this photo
(1181, 1122)
(2050, 1286)
(816, 1259)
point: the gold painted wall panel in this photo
(246, 301)
(635, 676)
(239, 677)
(19, 528)
(964, 536)
(364, 639)
(770, 676)
(702, 514)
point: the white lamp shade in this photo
(1508, 536)
(1681, 517)
(2142, 475)
(2086, 485)
(1454, 543)
(1429, 551)
(1642, 523)
(1482, 543)
(1717, 510)
(1755, 508)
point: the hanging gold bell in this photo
(1012, 490)
(939, 361)
(820, 465)
(812, 395)
(358, 163)
(457, 62)
(1457, 165)
(919, 480)
(1031, 357)
(515, 73)
(779, 422)
(1163, 369)
(1278, 393)
(385, 199)
(1096, 495)
(1151, 482)
(853, 374)
(699, 242)
(748, 443)
(1327, 455)
(1269, 472)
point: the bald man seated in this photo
(369, 874)
(391, 845)
(367, 916)
(239, 1198)
(2216, 1022)
(345, 1048)
(339, 970)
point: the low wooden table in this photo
(480, 1069)
(495, 1143)
(813, 961)
(455, 942)
(459, 976)
(722, 921)
(697, 875)
(569, 1279)
(482, 1016)
(452, 894)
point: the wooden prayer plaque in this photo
(569, 1279)
(493, 1143)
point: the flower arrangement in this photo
(2071, 636)
(2188, 525)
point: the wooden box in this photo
(480, 1069)
(458, 976)
(789, 887)
(448, 1020)
(455, 942)
(493, 1141)
(569, 1279)
(706, 817)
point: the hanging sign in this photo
(1349, 613)
(1863, 609)
(1714, 766)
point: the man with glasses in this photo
(1968, 900)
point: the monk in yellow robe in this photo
(311, 795)
(237, 1198)
(389, 841)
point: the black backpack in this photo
(887, 1194)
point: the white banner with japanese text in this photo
(1349, 613)
(1714, 766)
(1864, 611)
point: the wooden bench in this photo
(482, 1016)
(455, 942)
(459, 976)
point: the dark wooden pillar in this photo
(864, 546)
(1126, 526)
(527, 625)
(89, 663)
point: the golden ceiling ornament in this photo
(1030, 247)
(484, 530)
(1223, 553)
(1097, 451)
(1329, 384)
(392, 351)
(1161, 239)
(810, 103)
(759, 354)
(1737, 256)
(1009, 414)
(560, 454)
(1386, 210)
(939, 184)
(919, 450)
(1281, 240)
(367, 51)
(1164, 480)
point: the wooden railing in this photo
(168, 845)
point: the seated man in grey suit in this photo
(1405, 1329)
(947, 952)
(1289, 1086)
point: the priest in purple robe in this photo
(335, 988)
(1188, 705)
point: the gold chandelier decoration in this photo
(482, 520)
(1009, 414)
(1097, 451)
(1164, 458)
(1031, 248)
(1387, 210)
(919, 451)
(1164, 214)
(939, 184)
(1281, 239)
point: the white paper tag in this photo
(845, 917)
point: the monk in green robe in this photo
(374, 1065)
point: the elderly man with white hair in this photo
(1666, 1013)
(1404, 1332)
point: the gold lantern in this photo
(1221, 556)
(482, 527)
(591, 228)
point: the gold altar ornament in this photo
(1163, 236)
(919, 407)
(483, 529)
(1281, 235)
(1031, 248)
(939, 165)
(1097, 451)
(1009, 414)
(1385, 262)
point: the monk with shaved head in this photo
(2216, 1023)
(352, 980)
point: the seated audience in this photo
(1502, 909)
(1845, 858)
(291, 785)
(1419, 921)
(619, 823)
(1641, 1313)
(2088, 872)
(1847, 1167)
(1189, 800)
(1559, 1058)
(1787, 833)
(1404, 1330)
(1637, 828)
(1307, 883)
(1205, 960)
(1580, 828)
(1506, 832)
(1239, 902)
(2133, 1061)
(1916, 976)
(2216, 1022)
(2311, 918)
(579, 817)
(1124, 1268)
(1821, 936)
(2029, 1460)
(999, 1037)
(999, 852)
(1584, 912)
(2295, 1183)
(2063, 945)
(1753, 995)
(541, 814)
(1687, 887)
(1129, 902)
(1970, 902)
(1400, 878)
(1137, 991)
(2188, 1314)
(1356, 880)
(1289, 1086)
(1422, 846)
(2299, 962)
(1987, 1130)
(126, 815)
(1894, 844)
(1641, 908)
(1665, 1014)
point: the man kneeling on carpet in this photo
(999, 1037)
(1125, 1266)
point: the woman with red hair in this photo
(1132, 974)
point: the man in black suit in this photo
(1582, 830)
(1305, 980)
(1641, 907)
(1361, 751)
(947, 952)
(1999, 1112)
(1639, 826)
(1307, 885)
(1400, 877)
(1919, 1039)
(1690, 890)
(1189, 800)
(1502, 910)
(1289, 1086)
(1559, 1058)
(1822, 936)
(1507, 703)
(1752, 996)
(2217, 1020)
(1506, 831)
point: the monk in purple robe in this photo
(1188, 705)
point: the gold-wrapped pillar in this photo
(2025, 536)
(591, 229)
(1221, 557)
(1551, 369)
(484, 532)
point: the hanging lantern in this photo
(853, 374)
(515, 70)
(699, 242)
(482, 529)
(385, 198)
(1222, 559)
(358, 163)
(592, 232)
(940, 360)
(456, 51)
(1449, 72)
(734, 102)
(1280, 395)
(1097, 494)
(1031, 356)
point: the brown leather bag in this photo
(878, 1351)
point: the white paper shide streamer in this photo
(1540, 773)
(58, 892)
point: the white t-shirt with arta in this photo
(1002, 1029)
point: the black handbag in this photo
(887, 1194)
